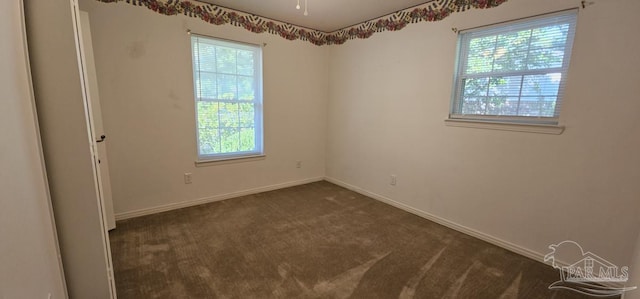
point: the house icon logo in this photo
(589, 274)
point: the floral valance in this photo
(427, 12)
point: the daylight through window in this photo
(228, 90)
(514, 72)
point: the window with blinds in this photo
(228, 92)
(514, 72)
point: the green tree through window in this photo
(514, 71)
(228, 92)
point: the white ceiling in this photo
(324, 15)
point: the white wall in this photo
(30, 267)
(390, 94)
(143, 63)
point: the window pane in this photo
(245, 63)
(206, 86)
(546, 58)
(529, 106)
(541, 85)
(480, 55)
(207, 114)
(245, 88)
(550, 36)
(511, 51)
(230, 139)
(510, 107)
(227, 87)
(247, 115)
(548, 108)
(229, 115)
(475, 87)
(505, 86)
(496, 105)
(209, 141)
(226, 60)
(510, 61)
(247, 139)
(207, 57)
(473, 106)
(513, 42)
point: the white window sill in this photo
(503, 126)
(230, 160)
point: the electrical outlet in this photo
(394, 180)
(187, 178)
(298, 164)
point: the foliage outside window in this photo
(228, 92)
(514, 72)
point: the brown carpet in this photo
(314, 241)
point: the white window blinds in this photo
(514, 71)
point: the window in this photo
(228, 92)
(514, 72)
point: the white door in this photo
(60, 84)
(96, 113)
(94, 122)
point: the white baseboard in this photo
(536, 256)
(450, 224)
(195, 202)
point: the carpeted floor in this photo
(314, 241)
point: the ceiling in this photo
(324, 15)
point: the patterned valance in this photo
(429, 12)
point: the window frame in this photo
(258, 102)
(516, 123)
